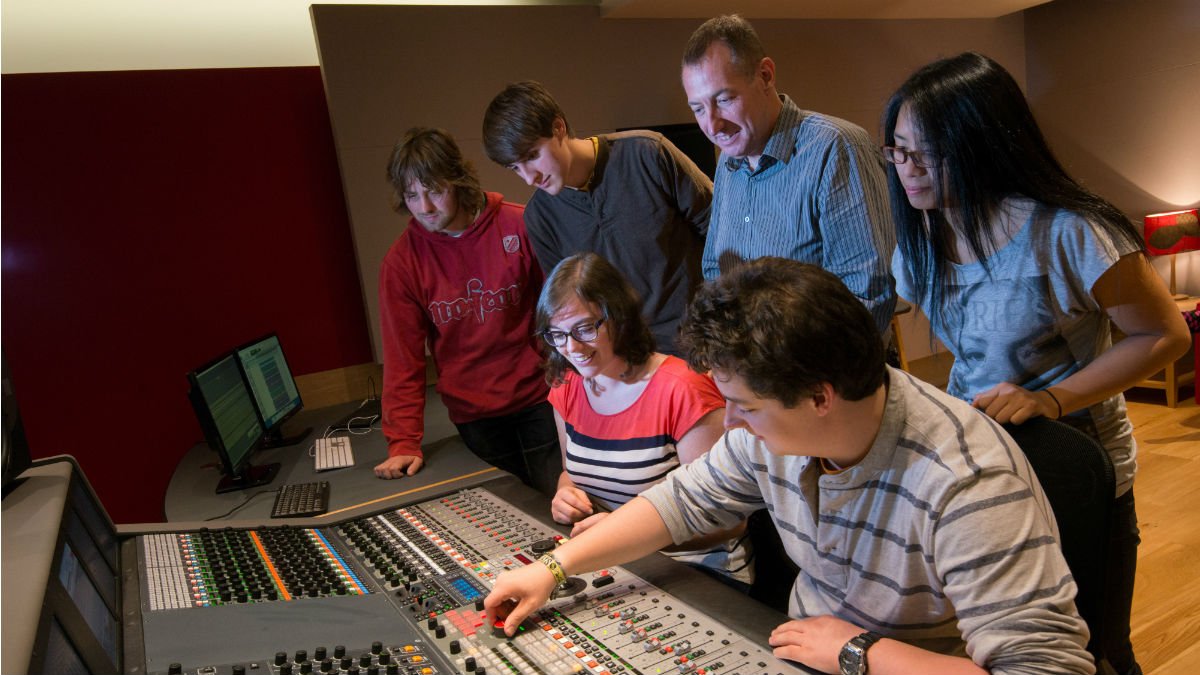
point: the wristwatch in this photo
(853, 658)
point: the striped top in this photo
(819, 196)
(615, 457)
(941, 536)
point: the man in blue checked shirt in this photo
(790, 182)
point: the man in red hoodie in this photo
(462, 279)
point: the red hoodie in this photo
(472, 297)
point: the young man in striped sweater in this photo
(924, 540)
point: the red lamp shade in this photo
(1174, 232)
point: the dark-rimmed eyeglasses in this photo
(925, 160)
(584, 332)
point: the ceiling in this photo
(87, 35)
(815, 9)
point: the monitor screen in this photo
(230, 410)
(270, 380)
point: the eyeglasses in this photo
(584, 332)
(925, 160)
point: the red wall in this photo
(151, 220)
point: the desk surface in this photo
(191, 494)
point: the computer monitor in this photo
(225, 408)
(275, 394)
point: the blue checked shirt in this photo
(819, 196)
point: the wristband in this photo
(555, 567)
(1056, 403)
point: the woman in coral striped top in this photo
(627, 415)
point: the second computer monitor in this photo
(275, 391)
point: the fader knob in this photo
(393, 669)
(301, 655)
(339, 651)
(470, 665)
(326, 665)
(175, 669)
(319, 654)
(440, 631)
(285, 669)
(385, 658)
(280, 658)
(376, 647)
(239, 669)
(542, 546)
(455, 647)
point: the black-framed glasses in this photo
(584, 332)
(925, 160)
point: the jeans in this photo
(524, 443)
(1115, 650)
(1122, 564)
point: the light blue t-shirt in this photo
(1033, 321)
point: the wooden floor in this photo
(1166, 603)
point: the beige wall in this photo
(1115, 85)
(388, 68)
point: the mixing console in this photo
(401, 593)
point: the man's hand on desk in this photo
(399, 466)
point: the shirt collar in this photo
(781, 146)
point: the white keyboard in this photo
(333, 453)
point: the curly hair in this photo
(784, 327)
(592, 279)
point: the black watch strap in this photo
(853, 659)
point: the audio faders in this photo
(401, 593)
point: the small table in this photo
(191, 494)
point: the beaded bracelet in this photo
(554, 566)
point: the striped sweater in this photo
(940, 537)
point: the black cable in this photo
(240, 506)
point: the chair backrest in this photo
(1077, 476)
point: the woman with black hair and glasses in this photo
(1020, 269)
(627, 415)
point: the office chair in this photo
(1077, 476)
(774, 571)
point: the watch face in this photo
(850, 660)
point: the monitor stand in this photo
(251, 476)
(276, 439)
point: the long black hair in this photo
(972, 115)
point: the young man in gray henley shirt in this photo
(924, 540)
(631, 197)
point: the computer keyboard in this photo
(299, 500)
(333, 453)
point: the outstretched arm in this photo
(637, 527)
